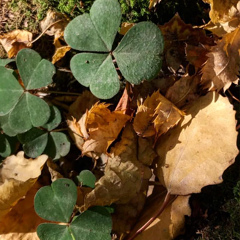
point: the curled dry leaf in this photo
(224, 15)
(176, 35)
(17, 176)
(169, 224)
(196, 152)
(153, 3)
(22, 221)
(222, 66)
(97, 129)
(184, 91)
(15, 41)
(55, 24)
(156, 116)
(125, 181)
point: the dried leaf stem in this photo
(165, 203)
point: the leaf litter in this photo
(177, 135)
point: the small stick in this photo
(161, 209)
(50, 25)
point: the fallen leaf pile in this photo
(177, 131)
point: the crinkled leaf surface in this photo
(138, 55)
(95, 31)
(34, 71)
(56, 202)
(29, 111)
(10, 91)
(87, 178)
(98, 72)
(196, 152)
(95, 223)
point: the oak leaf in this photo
(156, 116)
(222, 66)
(196, 152)
(15, 40)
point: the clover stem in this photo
(62, 93)
(165, 203)
(59, 130)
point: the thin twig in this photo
(233, 96)
(161, 209)
(50, 25)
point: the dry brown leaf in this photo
(169, 224)
(97, 129)
(222, 66)
(155, 116)
(55, 23)
(176, 34)
(184, 91)
(153, 3)
(15, 41)
(17, 176)
(224, 15)
(125, 27)
(22, 221)
(60, 52)
(125, 180)
(196, 152)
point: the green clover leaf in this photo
(56, 203)
(24, 109)
(37, 141)
(138, 55)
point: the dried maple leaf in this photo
(97, 129)
(222, 66)
(155, 116)
(17, 176)
(224, 15)
(196, 152)
(15, 41)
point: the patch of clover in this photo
(138, 55)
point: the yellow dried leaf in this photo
(17, 176)
(184, 91)
(103, 127)
(155, 116)
(153, 3)
(125, 27)
(125, 181)
(196, 153)
(22, 221)
(60, 53)
(222, 66)
(224, 15)
(15, 41)
(166, 226)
